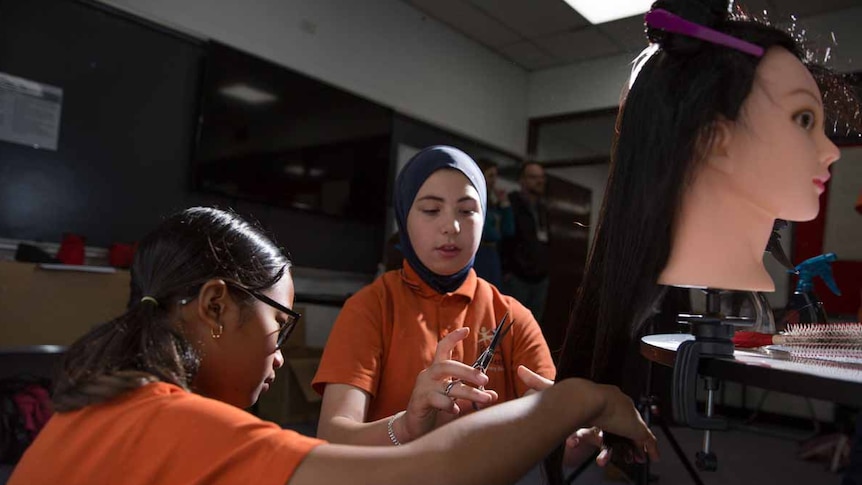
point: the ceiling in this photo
(538, 34)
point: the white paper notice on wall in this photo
(29, 112)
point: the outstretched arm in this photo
(581, 444)
(495, 446)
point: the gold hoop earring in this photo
(215, 335)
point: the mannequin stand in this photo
(713, 333)
(651, 412)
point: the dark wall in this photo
(127, 132)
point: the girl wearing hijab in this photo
(397, 362)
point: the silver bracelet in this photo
(391, 431)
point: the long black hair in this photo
(171, 263)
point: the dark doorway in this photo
(569, 219)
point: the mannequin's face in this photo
(779, 156)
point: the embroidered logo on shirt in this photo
(485, 337)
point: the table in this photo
(820, 379)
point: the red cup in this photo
(121, 255)
(71, 249)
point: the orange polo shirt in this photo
(388, 331)
(161, 433)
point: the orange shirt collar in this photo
(412, 280)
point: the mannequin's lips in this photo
(820, 183)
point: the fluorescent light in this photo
(247, 94)
(600, 11)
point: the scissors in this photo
(484, 359)
(487, 355)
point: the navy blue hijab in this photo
(411, 178)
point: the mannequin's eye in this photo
(805, 119)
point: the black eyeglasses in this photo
(287, 327)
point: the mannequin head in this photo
(711, 142)
(698, 118)
(770, 163)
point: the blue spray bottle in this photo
(804, 306)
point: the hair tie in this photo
(150, 299)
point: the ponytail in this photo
(135, 349)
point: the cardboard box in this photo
(52, 307)
(291, 399)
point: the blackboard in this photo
(126, 128)
(127, 133)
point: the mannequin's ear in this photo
(212, 302)
(717, 148)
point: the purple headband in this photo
(664, 20)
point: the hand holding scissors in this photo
(484, 360)
(429, 395)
